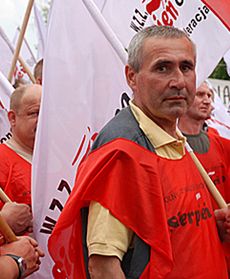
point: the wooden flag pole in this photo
(6, 230)
(212, 188)
(20, 39)
(106, 29)
(3, 197)
(26, 68)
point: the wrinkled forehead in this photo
(166, 48)
(204, 88)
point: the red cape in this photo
(133, 200)
(152, 196)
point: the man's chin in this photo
(177, 112)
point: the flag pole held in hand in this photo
(3, 196)
(211, 186)
(6, 230)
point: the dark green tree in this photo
(220, 72)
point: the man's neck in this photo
(19, 145)
(171, 131)
(168, 126)
(190, 126)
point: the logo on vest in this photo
(190, 217)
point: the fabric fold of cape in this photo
(136, 200)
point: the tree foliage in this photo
(220, 71)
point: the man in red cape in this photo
(139, 208)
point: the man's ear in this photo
(130, 77)
(12, 118)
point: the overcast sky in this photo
(11, 15)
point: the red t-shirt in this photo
(217, 163)
(15, 175)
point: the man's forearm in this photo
(105, 267)
(8, 267)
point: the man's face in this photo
(164, 87)
(202, 105)
(25, 119)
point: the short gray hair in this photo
(136, 44)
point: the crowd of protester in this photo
(139, 201)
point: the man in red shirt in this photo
(16, 153)
(211, 149)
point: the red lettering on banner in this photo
(167, 16)
(80, 149)
(152, 6)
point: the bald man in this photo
(16, 153)
(211, 149)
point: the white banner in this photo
(41, 31)
(5, 91)
(6, 53)
(191, 16)
(6, 57)
(27, 54)
(220, 119)
(84, 85)
(222, 88)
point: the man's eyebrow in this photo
(188, 62)
(162, 61)
(167, 61)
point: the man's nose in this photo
(178, 80)
(207, 100)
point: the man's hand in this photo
(105, 267)
(18, 216)
(223, 223)
(27, 248)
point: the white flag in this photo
(84, 85)
(5, 91)
(87, 77)
(220, 119)
(41, 31)
(26, 53)
(6, 57)
(211, 37)
(6, 53)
